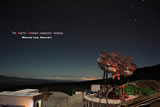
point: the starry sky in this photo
(131, 27)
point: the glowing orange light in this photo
(114, 69)
(89, 79)
(123, 88)
(107, 62)
(113, 76)
(118, 75)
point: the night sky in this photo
(131, 27)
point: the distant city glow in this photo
(89, 78)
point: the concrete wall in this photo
(16, 100)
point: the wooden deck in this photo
(142, 101)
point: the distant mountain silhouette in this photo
(146, 73)
(14, 83)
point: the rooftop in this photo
(25, 92)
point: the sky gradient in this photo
(130, 27)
